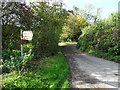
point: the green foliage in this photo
(51, 72)
(12, 59)
(103, 36)
(15, 16)
(107, 56)
(72, 28)
(44, 19)
(11, 37)
(114, 20)
(48, 21)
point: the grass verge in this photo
(104, 55)
(51, 72)
(66, 43)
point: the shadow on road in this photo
(89, 71)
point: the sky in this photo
(107, 6)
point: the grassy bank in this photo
(104, 55)
(51, 72)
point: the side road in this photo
(89, 71)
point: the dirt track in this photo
(89, 71)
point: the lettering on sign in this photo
(27, 35)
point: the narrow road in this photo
(90, 72)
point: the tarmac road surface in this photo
(91, 72)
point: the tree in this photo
(15, 16)
(103, 36)
(72, 28)
(48, 21)
(87, 13)
(76, 10)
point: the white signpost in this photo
(25, 35)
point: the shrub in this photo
(72, 28)
(42, 74)
(103, 37)
(47, 28)
(12, 59)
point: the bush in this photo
(72, 28)
(47, 28)
(103, 37)
(42, 74)
(12, 59)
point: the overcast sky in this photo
(107, 6)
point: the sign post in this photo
(25, 37)
(21, 34)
